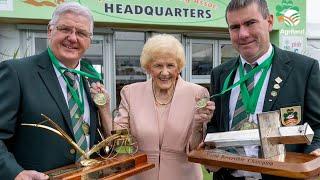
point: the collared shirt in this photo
(250, 150)
(63, 86)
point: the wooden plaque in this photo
(268, 126)
(120, 167)
(293, 165)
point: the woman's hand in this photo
(203, 115)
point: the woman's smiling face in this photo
(164, 72)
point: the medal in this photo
(201, 103)
(274, 93)
(248, 125)
(86, 128)
(100, 99)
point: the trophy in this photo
(221, 148)
(110, 166)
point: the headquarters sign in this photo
(191, 13)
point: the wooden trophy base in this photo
(120, 167)
(293, 165)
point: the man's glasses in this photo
(80, 33)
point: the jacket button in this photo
(72, 151)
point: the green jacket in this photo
(29, 87)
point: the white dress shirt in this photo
(251, 151)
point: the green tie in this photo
(76, 115)
(240, 115)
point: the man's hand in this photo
(95, 88)
(316, 152)
(31, 175)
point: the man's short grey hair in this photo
(239, 4)
(72, 7)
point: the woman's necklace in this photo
(155, 97)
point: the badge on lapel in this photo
(87, 79)
(290, 116)
(276, 87)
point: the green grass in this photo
(206, 175)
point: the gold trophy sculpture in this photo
(118, 139)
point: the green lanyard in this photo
(95, 75)
(250, 103)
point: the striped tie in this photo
(240, 115)
(76, 115)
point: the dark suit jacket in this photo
(300, 86)
(30, 87)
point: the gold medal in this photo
(86, 128)
(201, 103)
(248, 125)
(254, 125)
(245, 126)
(100, 99)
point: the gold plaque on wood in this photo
(118, 168)
(123, 166)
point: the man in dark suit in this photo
(290, 80)
(37, 85)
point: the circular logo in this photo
(292, 17)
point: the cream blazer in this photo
(138, 105)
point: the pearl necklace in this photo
(155, 97)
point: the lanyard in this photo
(250, 103)
(95, 75)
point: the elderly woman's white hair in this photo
(72, 7)
(162, 45)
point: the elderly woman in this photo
(161, 112)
